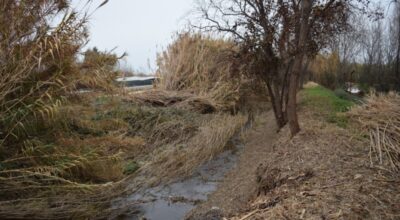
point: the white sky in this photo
(139, 27)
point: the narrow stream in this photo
(174, 201)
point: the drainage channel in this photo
(174, 201)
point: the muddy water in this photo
(174, 201)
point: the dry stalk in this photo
(379, 116)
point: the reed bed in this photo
(202, 65)
(41, 175)
(67, 155)
(73, 170)
(379, 116)
(55, 198)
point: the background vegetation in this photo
(367, 55)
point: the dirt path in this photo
(239, 185)
(322, 173)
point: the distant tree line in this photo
(368, 54)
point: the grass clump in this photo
(131, 167)
(327, 104)
(341, 93)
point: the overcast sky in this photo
(139, 27)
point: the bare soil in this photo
(322, 173)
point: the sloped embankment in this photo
(322, 173)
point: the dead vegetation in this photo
(41, 176)
(181, 100)
(74, 156)
(322, 173)
(379, 118)
(211, 139)
(269, 178)
(98, 148)
(66, 154)
(204, 66)
(342, 185)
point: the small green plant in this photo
(131, 167)
(341, 93)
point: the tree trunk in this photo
(292, 101)
(304, 73)
(297, 67)
(279, 113)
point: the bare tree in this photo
(276, 36)
(378, 53)
(396, 32)
(348, 45)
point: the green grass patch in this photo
(328, 104)
(131, 167)
(342, 94)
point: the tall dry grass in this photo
(379, 116)
(39, 176)
(64, 155)
(34, 65)
(204, 65)
(97, 71)
(38, 64)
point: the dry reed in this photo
(38, 67)
(61, 161)
(379, 116)
(180, 100)
(202, 65)
(180, 160)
